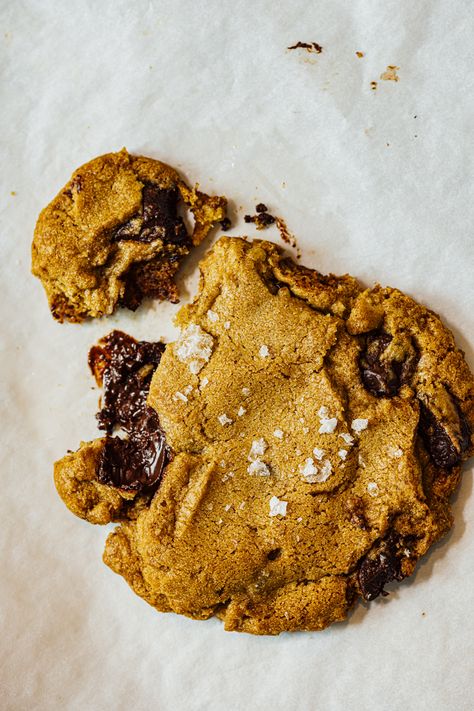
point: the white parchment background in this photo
(377, 183)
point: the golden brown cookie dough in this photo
(114, 236)
(317, 431)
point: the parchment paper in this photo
(377, 183)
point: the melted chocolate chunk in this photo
(124, 367)
(159, 218)
(383, 567)
(383, 377)
(443, 451)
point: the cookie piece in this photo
(317, 433)
(114, 235)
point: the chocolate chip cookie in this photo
(296, 450)
(115, 235)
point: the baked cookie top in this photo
(114, 235)
(315, 433)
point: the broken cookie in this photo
(115, 235)
(311, 434)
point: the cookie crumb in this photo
(311, 47)
(262, 219)
(278, 434)
(359, 424)
(360, 54)
(224, 420)
(373, 85)
(226, 224)
(390, 74)
(277, 507)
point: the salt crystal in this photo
(227, 325)
(348, 439)
(372, 488)
(224, 420)
(258, 468)
(277, 507)
(328, 425)
(359, 424)
(180, 396)
(245, 392)
(394, 452)
(188, 389)
(227, 507)
(342, 453)
(323, 412)
(204, 382)
(278, 434)
(212, 316)
(264, 352)
(241, 411)
(319, 453)
(194, 346)
(257, 449)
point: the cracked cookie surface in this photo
(317, 431)
(114, 235)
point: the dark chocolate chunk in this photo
(262, 219)
(158, 219)
(124, 367)
(383, 377)
(226, 224)
(379, 568)
(443, 451)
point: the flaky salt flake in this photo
(298, 452)
(406, 552)
(319, 453)
(325, 471)
(188, 389)
(258, 468)
(257, 449)
(194, 346)
(302, 420)
(394, 452)
(308, 470)
(278, 434)
(212, 316)
(226, 325)
(204, 382)
(277, 507)
(348, 439)
(299, 519)
(264, 352)
(228, 476)
(224, 420)
(323, 412)
(342, 453)
(241, 411)
(372, 488)
(180, 396)
(227, 507)
(242, 505)
(305, 430)
(245, 392)
(220, 522)
(359, 424)
(328, 425)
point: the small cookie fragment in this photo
(114, 235)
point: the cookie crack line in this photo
(264, 550)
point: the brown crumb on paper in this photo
(313, 47)
(360, 54)
(226, 224)
(373, 85)
(287, 236)
(262, 219)
(390, 74)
